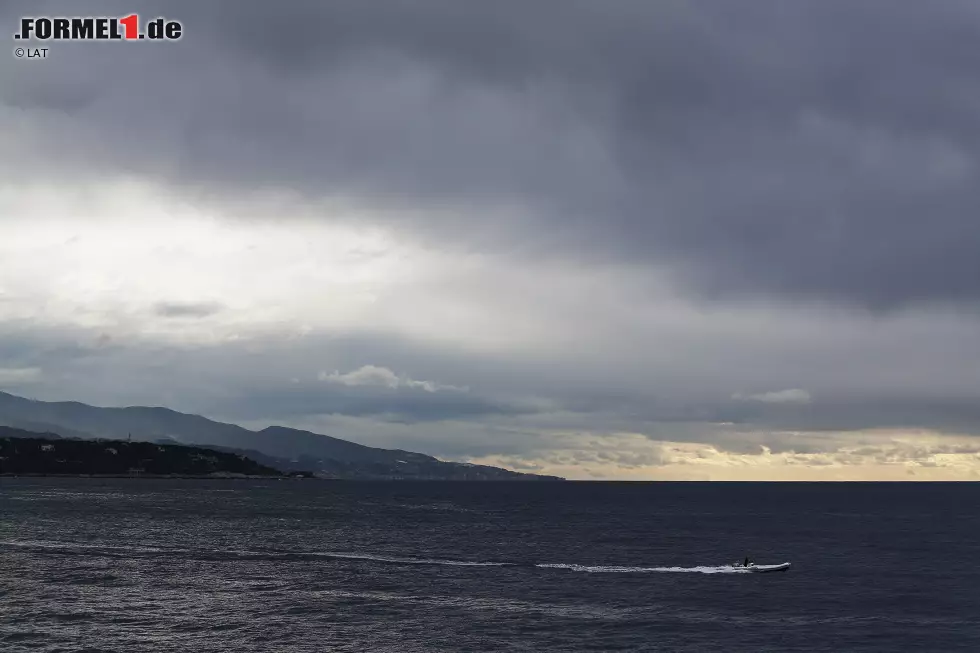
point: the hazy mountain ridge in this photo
(277, 446)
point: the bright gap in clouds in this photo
(131, 259)
(850, 456)
(126, 257)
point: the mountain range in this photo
(283, 448)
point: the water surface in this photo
(180, 565)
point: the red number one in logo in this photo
(131, 23)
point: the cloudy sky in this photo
(605, 239)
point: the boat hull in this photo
(763, 569)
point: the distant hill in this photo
(284, 448)
(24, 453)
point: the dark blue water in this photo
(155, 565)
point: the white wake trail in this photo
(648, 570)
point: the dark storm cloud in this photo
(808, 150)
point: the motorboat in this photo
(760, 569)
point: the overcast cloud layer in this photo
(608, 239)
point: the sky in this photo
(673, 240)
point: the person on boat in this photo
(747, 562)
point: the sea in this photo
(128, 565)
